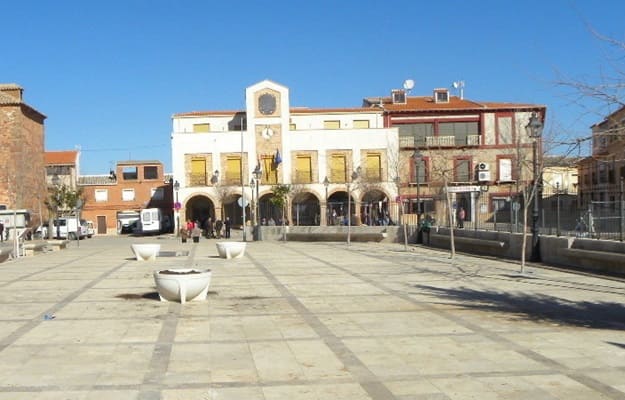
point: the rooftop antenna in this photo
(459, 85)
(408, 85)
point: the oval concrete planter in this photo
(146, 251)
(182, 284)
(231, 249)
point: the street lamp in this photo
(558, 209)
(258, 174)
(354, 176)
(56, 182)
(534, 130)
(177, 207)
(326, 183)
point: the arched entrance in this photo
(305, 210)
(337, 208)
(198, 208)
(374, 208)
(232, 209)
(269, 213)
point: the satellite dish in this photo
(455, 85)
(408, 84)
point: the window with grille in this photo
(462, 170)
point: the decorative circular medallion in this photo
(267, 104)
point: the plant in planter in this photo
(182, 284)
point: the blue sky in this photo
(109, 75)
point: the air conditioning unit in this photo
(482, 166)
(483, 176)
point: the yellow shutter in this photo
(302, 169)
(361, 124)
(333, 124)
(201, 128)
(373, 167)
(198, 172)
(233, 170)
(337, 168)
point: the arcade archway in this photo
(198, 209)
(305, 210)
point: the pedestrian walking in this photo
(227, 225)
(1, 231)
(461, 217)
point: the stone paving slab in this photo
(306, 321)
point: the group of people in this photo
(208, 229)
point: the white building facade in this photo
(323, 155)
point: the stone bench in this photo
(335, 236)
(473, 245)
(597, 260)
(30, 249)
(56, 245)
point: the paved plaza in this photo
(306, 321)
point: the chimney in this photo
(13, 90)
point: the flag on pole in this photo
(277, 160)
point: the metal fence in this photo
(560, 214)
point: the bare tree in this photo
(442, 172)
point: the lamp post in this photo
(258, 174)
(253, 206)
(558, 209)
(326, 183)
(56, 182)
(177, 207)
(534, 129)
(354, 176)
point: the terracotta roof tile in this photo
(61, 157)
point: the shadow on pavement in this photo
(536, 307)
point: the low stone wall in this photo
(586, 254)
(330, 233)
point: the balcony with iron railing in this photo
(439, 141)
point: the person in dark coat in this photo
(227, 225)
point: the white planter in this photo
(182, 284)
(146, 251)
(231, 249)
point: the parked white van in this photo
(68, 228)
